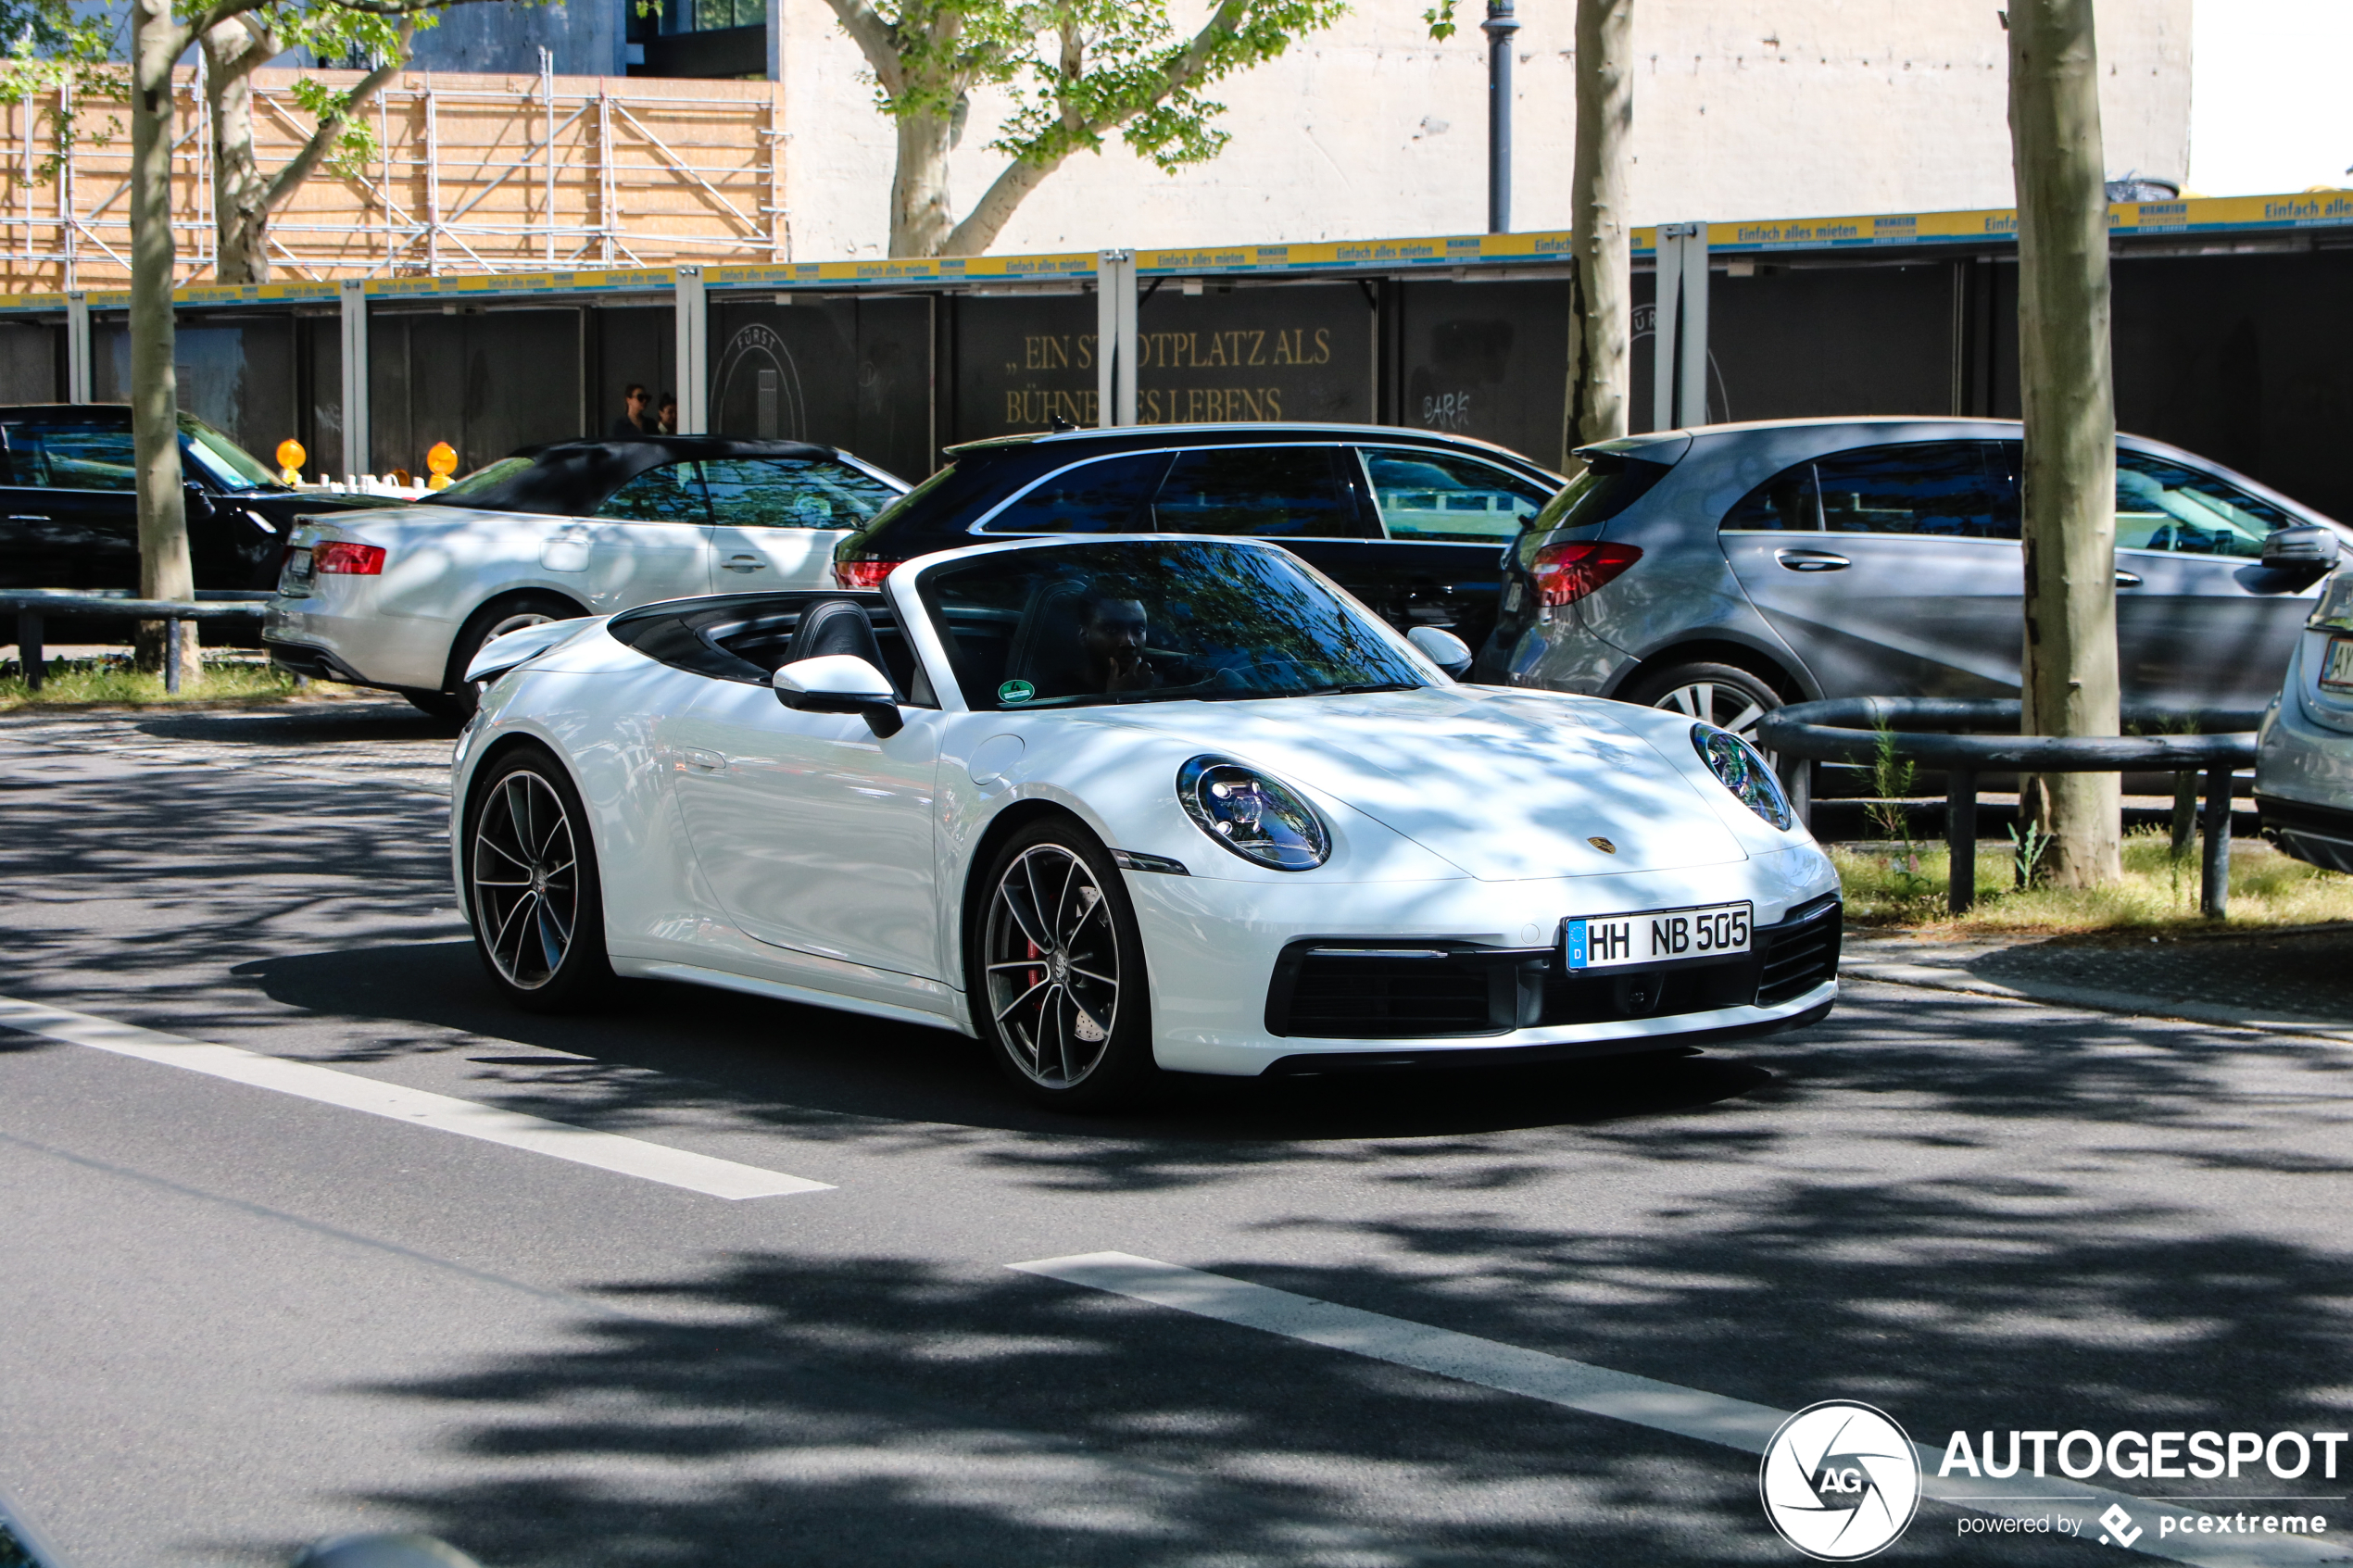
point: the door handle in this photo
(27, 517)
(2128, 578)
(704, 762)
(1811, 561)
(744, 563)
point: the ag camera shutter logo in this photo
(1839, 1481)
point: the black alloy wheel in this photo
(532, 889)
(1056, 973)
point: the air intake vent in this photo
(1798, 954)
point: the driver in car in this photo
(1112, 633)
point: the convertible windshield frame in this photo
(984, 642)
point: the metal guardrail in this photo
(32, 606)
(1851, 730)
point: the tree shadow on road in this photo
(874, 1410)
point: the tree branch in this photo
(989, 215)
(298, 169)
(875, 39)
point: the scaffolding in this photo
(474, 174)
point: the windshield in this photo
(484, 478)
(1081, 624)
(224, 462)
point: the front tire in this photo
(1056, 976)
(535, 899)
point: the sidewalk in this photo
(2291, 981)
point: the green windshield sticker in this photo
(1015, 691)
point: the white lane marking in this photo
(559, 1140)
(1663, 1406)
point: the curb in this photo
(1939, 977)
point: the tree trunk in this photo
(164, 570)
(2067, 390)
(239, 193)
(920, 222)
(1598, 237)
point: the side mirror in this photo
(1444, 649)
(2309, 551)
(840, 683)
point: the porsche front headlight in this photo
(1736, 764)
(1261, 819)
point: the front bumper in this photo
(1248, 980)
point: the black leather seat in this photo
(1046, 650)
(832, 626)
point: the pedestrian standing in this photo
(631, 424)
(666, 422)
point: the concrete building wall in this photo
(1742, 109)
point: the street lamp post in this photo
(1499, 26)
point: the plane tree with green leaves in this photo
(49, 47)
(1078, 70)
(245, 195)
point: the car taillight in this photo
(861, 573)
(1564, 573)
(352, 560)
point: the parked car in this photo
(1408, 520)
(69, 506)
(402, 598)
(2303, 765)
(1725, 571)
(1120, 806)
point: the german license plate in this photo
(1656, 936)
(2337, 670)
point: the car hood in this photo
(1505, 789)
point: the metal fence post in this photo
(1500, 25)
(1960, 840)
(355, 458)
(29, 653)
(1679, 340)
(171, 657)
(1668, 274)
(1690, 392)
(694, 354)
(78, 377)
(2214, 872)
(1115, 338)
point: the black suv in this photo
(70, 503)
(1410, 522)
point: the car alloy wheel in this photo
(524, 867)
(1052, 963)
(514, 622)
(1726, 706)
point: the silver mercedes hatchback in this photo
(1727, 570)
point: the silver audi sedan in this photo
(1727, 570)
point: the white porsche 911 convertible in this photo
(1124, 806)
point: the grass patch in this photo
(1897, 886)
(111, 683)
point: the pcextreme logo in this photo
(1839, 1481)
